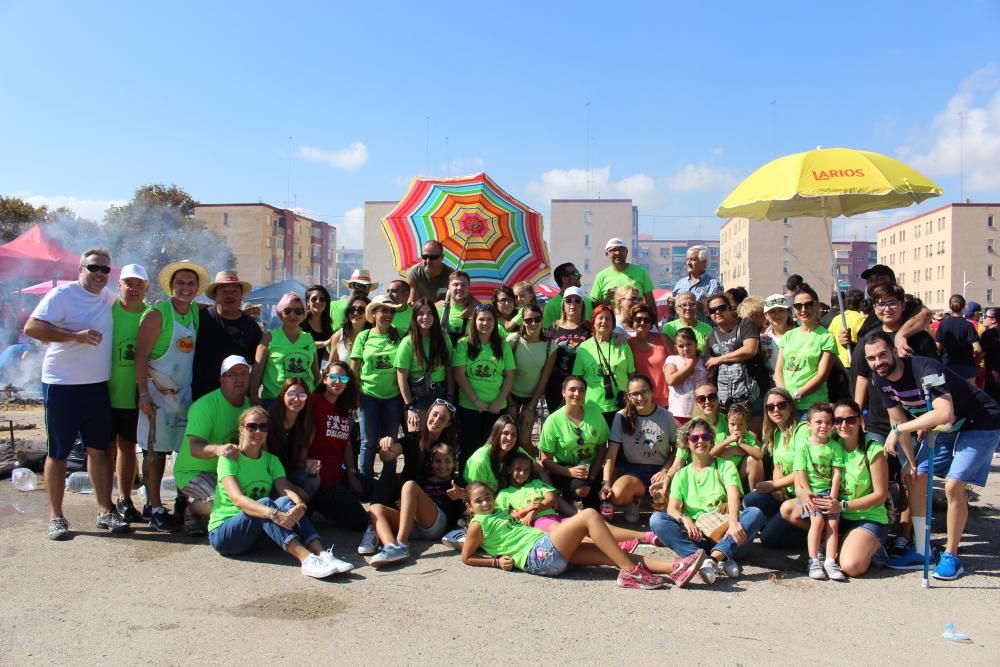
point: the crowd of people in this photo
(529, 436)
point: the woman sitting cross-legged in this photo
(242, 510)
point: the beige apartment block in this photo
(581, 228)
(666, 259)
(377, 257)
(273, 244)
(760, 254)
(950, 250)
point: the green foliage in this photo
(15, 216)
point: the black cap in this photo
(880, 270)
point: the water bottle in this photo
(23, 479)
(168, 489)
(607, 509)
(79, 482)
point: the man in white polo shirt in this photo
(75, 320)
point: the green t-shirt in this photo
(701, 331)
(612, 278)
(485, 372)
(167, 317)
(121, 386)
(455, 324)
(801, 353)
(402, 319)
(286, 359)
(255, 477)
(529, 359)
(561, 437)
(553, 310)
(818, 462)
(514, 498)
(338, 313)
(591, 363)
(216, 421)
(857, 483)
(479, 469)
(503, 535)
(704, 490)
(783, 453)
(377, 353)
(405, 358)
(748, 439)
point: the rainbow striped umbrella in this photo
(486, 232)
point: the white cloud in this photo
(92, 209)
(351, 229)
(350, 158)
(942, 150)
(701, 176)
(572, 183)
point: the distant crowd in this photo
(528, 436)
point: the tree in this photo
(15, 215)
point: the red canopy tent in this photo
(36, 255)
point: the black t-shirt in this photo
(956, 335)
(566, 341)
(324, 334)
(877, 419)
(733, 378)
(438, 492)
(217, 339)
(974, 410)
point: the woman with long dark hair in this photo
(422, 363)
(317, 322)
(342, 340)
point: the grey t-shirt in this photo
(651, 441)
(430, 288)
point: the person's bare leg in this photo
(589, 554)
(414, 505)
(55, 485)
(125, 465)
(100, 469)
(201, 507)
(385, 520)
(958, 513)
(568, 536)
(153, 465)
(857, 550)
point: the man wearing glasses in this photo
(915, 317)
(687, 317)
(566, 276)
(75, 321)
(429, 279)
(620, 273)
(361, 285)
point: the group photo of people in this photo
(527, 434)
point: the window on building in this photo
(930, 226)
(902, 257)
(916, 253)
(787, 243)
(989, 270)
(989, 296)
(586, 265)
(916, 276)
(586, 216)
(902, 235)
(225, 220)
(927, 273)
(586, 240)
(916, 231)
(989, 245)
(784, 268)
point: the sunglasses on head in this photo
(803, 305)
(429, 257)
(705, 398)
(98, 268)
(777, 405)
(781, 303)
(292, 311)
(440, 401)
(253, 427)
(699, 437)
(721, 308)
(850, 421)
(484, 306)
(342, 379)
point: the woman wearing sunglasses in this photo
(534, 357)
(704, 486)
(330, 456)
(732, 344)
(342, 341)
(317, 322)
(650, 350)
(483, 367)
(422, 364)
(505, 304)
(373, 361)
(566, 334)
(292, 433)
(605, 364)
(784, 433)
(284, 352)
(243, 509)
(805, 355)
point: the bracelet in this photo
(496, 562)
(843, 505)
(274, 514)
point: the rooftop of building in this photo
(937, 210)
(276, 209)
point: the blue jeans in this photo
(777, 533)
(377, 418)
(239, 533)
(672, 533)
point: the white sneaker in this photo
(707, 571)
(832, 569)
(341, 565)
(369, 542)
(632, 512)
(318, 567)
(454, 539)
(730, 568)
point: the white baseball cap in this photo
(573, 291)
(134, 271)
(614, 242)
(232, 361)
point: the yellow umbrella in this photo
(827, 183)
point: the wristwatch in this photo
(843, 505)
(797, 396)
(895, 429)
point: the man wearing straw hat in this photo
(223, 330)
(361, 285)
(164, 365)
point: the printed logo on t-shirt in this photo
(382, 362)
(792, 362)
(295, 363)
(256, 490)
(338, 427)
(482, 369)
(126, 353)
(186, 344)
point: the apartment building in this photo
(377, 257)
(666, 260)
(581, 227)
(853, 257)
(950, 250)
(273, 244)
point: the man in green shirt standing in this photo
(621, 273)
(361, 285)
(399, 292)
(212, 431)
(566, 276)
(126, 313)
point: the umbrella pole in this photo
(828, 223)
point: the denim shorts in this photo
(642, 471)
(879, 530)
(544, 560)
(435, 532)
(965, 455)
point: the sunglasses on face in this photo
(317, 299)
(301, 395)
(777, 405)
(575, 273)
(336, 377)
(504, 299)
(532, 320)
(356, 310)
(363, 286)
(850, 421)
(292, 311)
(803, 305)
(705, 398)
(699, 437)
(722, 308)
(98, 268)
(642, 320)
(440, 401)
(253, 427)
(574, 301)
(429, 257)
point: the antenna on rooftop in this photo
(288, 191)
(427, 146)
(590, 181)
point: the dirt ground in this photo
(170, 599)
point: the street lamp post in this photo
(965, 283)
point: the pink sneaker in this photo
(640, 577)
(651, 538)
(629, 546)
(685, 568)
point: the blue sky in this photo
(685, 99)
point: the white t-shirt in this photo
(73, 308)
(681, 398)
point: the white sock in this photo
(919, 526)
